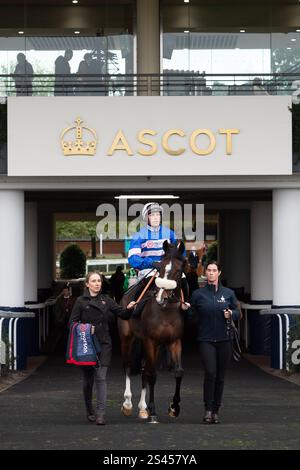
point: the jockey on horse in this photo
(146, 251)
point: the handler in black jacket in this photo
(214, 306)
(95, 308)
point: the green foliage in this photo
(9, 355)
(294, 334)
(72, 262)
(283, 60)
(212, 252)
(75, 230)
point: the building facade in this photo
(196, 98)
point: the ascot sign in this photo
(79, 146)
(149, 136)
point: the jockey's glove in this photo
(156, 265)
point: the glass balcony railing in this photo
(168, 84)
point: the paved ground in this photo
(45, 411)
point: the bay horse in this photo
(160, 323)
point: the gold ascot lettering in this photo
(229, 133)
(212, 142)
(165, 142)
(143, 140)
(123, 145)
(205, 148)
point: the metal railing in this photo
(187, 84)
(14, 332)
(283, 317)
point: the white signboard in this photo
(128, 136)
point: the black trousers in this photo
(215, 357)
(98, 375)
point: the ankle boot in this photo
(90, 414)
(100, 419)
(207, 418)
(215, 418)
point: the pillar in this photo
(286, 247)
(261, 252)
(31, 253)
(148, 43)
(12, 248)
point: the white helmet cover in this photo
(151, 207)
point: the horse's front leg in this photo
(175, 350)
(126, 347)
(149, 375)
(142, 406)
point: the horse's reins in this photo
(146, 287)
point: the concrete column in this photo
(235, 248)
(148, 41)
(261, 251)
(12, 248)
(45, 248)
(31, 253)
(286, 247)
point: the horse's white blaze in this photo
(142, 403)
(159, 298)
(165, 283)
(168, 268)
(127, 394)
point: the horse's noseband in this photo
(166, 284)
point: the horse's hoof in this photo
(143, 414)
(152, 420)
(173, 412)
(126, 411)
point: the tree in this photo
(75, 230)
(72, 262)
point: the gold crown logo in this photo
(79, 146)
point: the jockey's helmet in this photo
(151, 207)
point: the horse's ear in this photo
(181, 247)
(166, 246)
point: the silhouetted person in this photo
(57, 340)
(85, 68)
(62, 74)
(258, 88)
(23, 76)
(193, 258)
(192, 279)
(117, 283)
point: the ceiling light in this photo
(76, 32)
(75, 1)
(186, 31)
(186, 1)
(293, 39)
(147, 196)
(289, 48)
(242, 30)
(20, 32)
